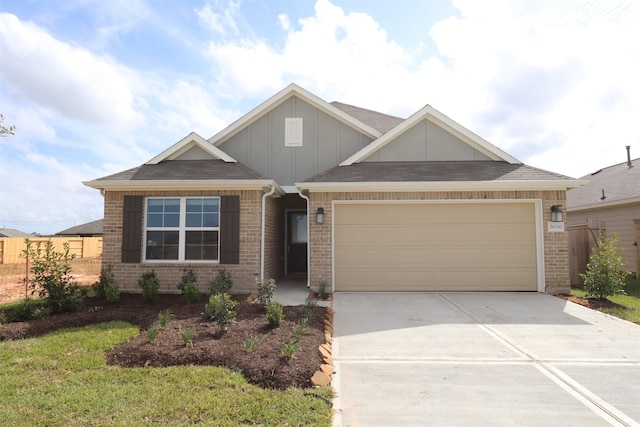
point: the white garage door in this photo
(435, 247)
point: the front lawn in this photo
(630, 302)
(62, 379)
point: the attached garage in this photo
(436, 246)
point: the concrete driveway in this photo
(499, 359)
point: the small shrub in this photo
(187, 336)
(190, 292)
(112, 293)
(164, 317)
(148, 281)
(275, 314)
(289, 349)
(152, 334)
(250, 342)
(222, 283)
(299, 330)
(27, 309)
(309, 306)
(266, 289)
(107, 278)
(188, 276)
(604, 275)
(3, 318)
(220, 310)
(322, 290)
(51, 276)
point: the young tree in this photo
(5, 131)
(604, 275)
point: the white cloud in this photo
(223, 20)
(69, 79)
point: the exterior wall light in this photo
(320, 216)
(557, 214)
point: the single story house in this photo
(345, 196)
(89, 229)
(610, 201)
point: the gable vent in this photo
(293, 132)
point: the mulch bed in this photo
(593, 303)
(265, 366)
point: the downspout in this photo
(262, 232)
(308, 239)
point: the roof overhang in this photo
(286, 93)
(430, 113)
(555, 185)
(192, 184)
(605, 205)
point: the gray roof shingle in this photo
(619, 182)
(379, 121)
(435, 171)
(93, 228)
(12, 232)
(187, 170)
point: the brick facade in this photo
(243, 274)
(556, 245)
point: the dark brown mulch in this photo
(266, 366)
(593, 303)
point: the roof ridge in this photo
(367, 109)
(609, 167)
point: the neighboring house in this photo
(90, 229)
(359, 200)
(11, 232)
(611, 200)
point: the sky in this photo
(94, 87)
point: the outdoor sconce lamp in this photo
(556, 214)
(320, 216)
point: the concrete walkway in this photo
(498, 359)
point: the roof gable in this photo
(485, 149)
(286, 93)
(195, 144)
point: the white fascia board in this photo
(321, 187)
(189, 141)
(430, 113)
(604, 205)
(185, 184)
(289, 91)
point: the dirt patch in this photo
(593, 303)
(265, 366)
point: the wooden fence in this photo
(82, 247)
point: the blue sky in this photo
(96, 87)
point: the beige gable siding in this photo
(426, 141)
(326, 142)
(618, 219)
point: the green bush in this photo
(106, 278)
(51, 276)
(190, 292)
(164, 317)
(266, 289)
(289, 349)
(152, 334)
(112, 292)
(148, 281)
(275, 314)
(604, 276)
(220, 310)
(222, 283)
(27, 309)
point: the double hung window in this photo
(182, 229)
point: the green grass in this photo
(631, 300)
(62, 379)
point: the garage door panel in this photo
(435, 246)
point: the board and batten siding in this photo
(326, 142)
(426, 141)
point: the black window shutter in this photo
(132, 229)
(229, 230)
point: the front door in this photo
(297, 237)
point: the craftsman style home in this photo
(341, 195)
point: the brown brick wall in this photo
(274, 238)
(555, 244)
(243, 274)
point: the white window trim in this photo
(182, 232)
(293, 132)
